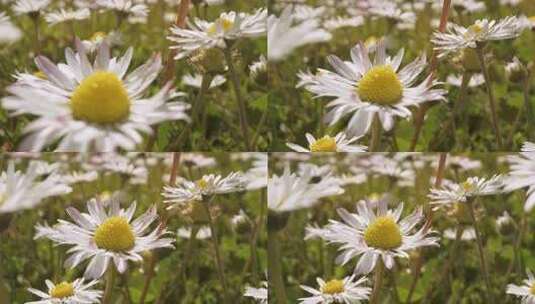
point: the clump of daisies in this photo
(86, 106)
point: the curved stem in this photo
(275, 278)
(490, 93)
(110, 281)
(377, 282)
(219, 261)
(375, 139)
(237, 92)
(482, 260)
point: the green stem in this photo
(219, 261)
(36, 43)
(276, 282)
(482, 259)
(490, 93)
(110, 281)
(462, 95)
(375, 139)
(377, 282)
(237, 91)
(199, 101)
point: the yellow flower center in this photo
(40, 74)
(383, 233)
(532, 19)
(223, 23)
(115, 234)
(372, 40)
(333, 287)
(467, 186)
(100, 98)
(324, 144)
(201, 183)
(532, 289)
(98, 36)
(380, 85)
(473, 30)
(62, 290)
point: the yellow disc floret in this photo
(383, 233)
(98, 36)
(324, 144)
(532, 289)
(224, 23)
(380, 85)
(468, 186)
(62, 290)
(201, 183)
(100, 98)
(333, 287)
(115, 234)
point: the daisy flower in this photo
(526, 292)
(257, 175)
(68, 293)
(339, 143)
(285, 35)
(91, 106)
(373, 235)
(202, 34)
(468, 234)
(522, 175)
(127, 7)
(93, 43)
(259, 294)
(457, 37)
(63, 15)
(365, 89)
(528, 147)
(290, 191)
(475, 81)
(345, 291)
(184, 190)
(19, 191)
(452, 193)
(106, 237)
(30, 6)
(9, 33)
(196, 81)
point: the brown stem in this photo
(377, 282)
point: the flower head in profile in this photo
(452, 193)
(526, 292)
(202, 34)
(522, 175)
(457, 37)
(185, 190)
(528, 147)
(292, 191)
(373, 235)
(285, 35)
(24, 190)
(339, 143)
(88, 106)
(345, 291)
(74, 292)
(127, 7)
(21, 7)
(64, 15)
(259, 294)
(363, 88)
(106, 237)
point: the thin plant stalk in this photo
(110, 281)
(36, 43)
(419, 119)
(490, 93)
(237, 92)
(460, 99)
(276, 282)
(483, 262)
(217, 256)
(377, 282)
(527, 107)
(375, 138)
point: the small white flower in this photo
(339, 143)
(257, 176)
(91, 106)
(75, 292)
(125, 6)
(106, 237)
(528, 147)
(362, 88)
(30, 6)
(63, 15)
(475, 80)
(203, 233)
(93, 43)
(290, 191)
(525, 292)
(184, 190)
(259, 294)
(373, 235)
(475, 186)
(458, 37)
(468, 234)
(522, 175)
(9, 33)
(19, 191)
(258, 67)
(229, 26)
(345, 291)
(196, 80)
(284, 35)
